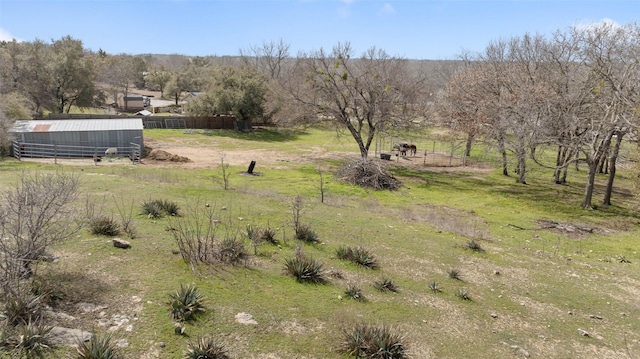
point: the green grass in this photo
(417, 234)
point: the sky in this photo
(413, 29)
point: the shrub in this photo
(104, 226)
(269, 235)
(358, 255)
(305, 269)
(152, 209)
(474, 246)
(232, 250)
(368, 341)
(22, 309)
(386, 285)
(98, 347)
(455, 274)
(170, 208)
(306, 234)
(33, 339)
(186, 304)
(354, 292)
(206, 348)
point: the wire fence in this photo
(23, 150)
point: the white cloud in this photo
(6, 36)
(387, 9)
(589, 25)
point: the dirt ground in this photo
(193, 156)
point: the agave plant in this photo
(358, 255)
(32, 339)
(369, 341)
(186, 304)
(305, 269)
(386, 285)
(206, 348)
(98, 347)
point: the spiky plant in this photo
(232, 250)
(22, 308)
(474, 246)
(463, 294)
(206, 348)
(269, 235)
(304, 269)
(32, 339)
(386, 285)
(170, 208)
(370, 341)
(186, 304)
(434, 286)
(358, 255)
(455, 274)
(152, 208)
(98, 347)
(305, 234)
(354, 292)
(104, 226)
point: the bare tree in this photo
(363, 95)
(36, 213)
(268, 58)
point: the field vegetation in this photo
(534, 274)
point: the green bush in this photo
(369, 341)
(358, 255)
(104, 226)
(170, 208)
(305, 269)
(206, 348)
(385, 285)
(186, 304)
(98, 347)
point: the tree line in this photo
(575, 92)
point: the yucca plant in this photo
(358, 255)
(152, 208)
(98, 347)
(305, 234)
(369, 341)
(232, 250)
(434, 286)
(455, 274)
(206, 348)
(474, 246)
(269, 235)
(171, 208)
(354, 292)
(22, 308)
(304, 269)
(386, 285)
(186, 304)
(463, 294)
(32, 339)
(104, 226)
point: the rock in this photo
(162, 344)
(121, 243)
(494, 315)
(245, 318)
(593, 316)
(122, 343)
(496, 272)
(583, 332)
(90, 307)
(68, 336)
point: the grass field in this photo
(531, 288)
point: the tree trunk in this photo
(503, 153)
(612, 170)
(588, 191)
(467, 150)
(522, 166)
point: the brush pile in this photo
(368, 174)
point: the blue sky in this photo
(415, 29)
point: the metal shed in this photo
(77, 138)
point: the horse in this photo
(402, 148)
(413, 149)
